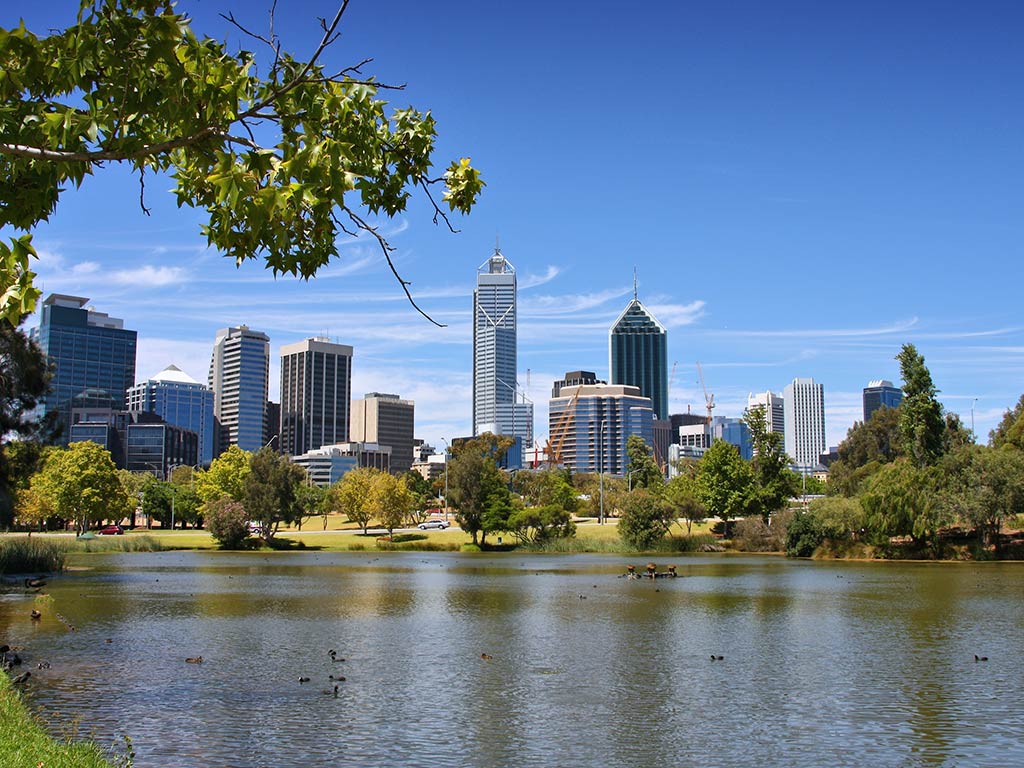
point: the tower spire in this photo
(634, 285)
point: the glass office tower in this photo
(638, 355)
(179, 400)
(90, 352)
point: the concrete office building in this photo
(804, 402)
(316, 392)
(878, 394)
(386, 420)
(589, 426)
(638, 354)
(495, 386)
(89, 351)
(239, 374)
(774, 408)
(180, 400)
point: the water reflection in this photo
(835, 663)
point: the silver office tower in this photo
(494, 354)
(239, 373)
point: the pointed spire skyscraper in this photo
(638, 353)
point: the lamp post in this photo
(271, 440)
(447, 452)
(629, 480)
(600, 471)
(973, 403)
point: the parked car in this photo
(255, 529)
(426, 525)
(111, 530)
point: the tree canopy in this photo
(81, 484)
(283, 164)
(921, 422)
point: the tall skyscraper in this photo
(804, 403)
(239, 374)
(180, 400)
(93, 356)
(774, 409)
(494, 354)
(386, 420)
(880, 393)
(638, 354)
(316, 391)
(589, 426)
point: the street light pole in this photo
(447, 453)
(973, 438)
(600, 471)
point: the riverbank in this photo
(25, 744)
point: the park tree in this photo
(640, 464)
(81, 484)
(225, 477)
(646, 518)
(24, 380)
(284, 164)
(774, 483)
(592, 487)
(984, 487)
(1010, 430)
(868, 445)
(724, 482)
(227, 521)
(903, 499)
(391, 501)
(477, 487)
(350, 496)
(921, 424)
(546, 487)
(539, 524)
(683, 493)
(309, 501)
(156, 499)
(269, 491)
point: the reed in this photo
(25, 554)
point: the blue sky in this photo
(802, 188)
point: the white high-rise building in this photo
(804, 405)
(775, 415)
(239, 373)
(494, 354)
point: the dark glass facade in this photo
(638, 355)
(89, 351)
(878, 395)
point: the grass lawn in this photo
(24, 743)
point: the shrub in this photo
(645, 520)
(227, 522)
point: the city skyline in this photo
(821, 202)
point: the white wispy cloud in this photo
(533, 280)
(150, 276)
(677, 315)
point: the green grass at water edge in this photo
(25, 744)
(24, 554)
(134, 543)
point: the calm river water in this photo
(824, 663)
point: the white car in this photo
(426, 525)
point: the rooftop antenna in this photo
(634, 284)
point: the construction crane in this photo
(709, 400)
(558, 434)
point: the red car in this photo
(111, 530)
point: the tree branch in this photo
(61, 155)
(386, 248)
